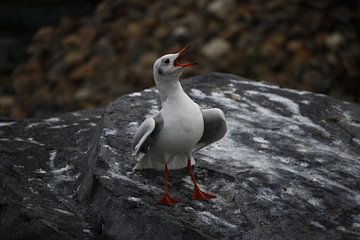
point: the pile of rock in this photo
(85, 62)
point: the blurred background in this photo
(58, 56)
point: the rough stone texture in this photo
(40, 165)
(288, 168)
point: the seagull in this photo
(167, 140)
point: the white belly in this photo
(183, 128)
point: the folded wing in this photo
(141, 142)
(214, 127)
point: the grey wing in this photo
(141, 140)
(146, 134)
(214, 127)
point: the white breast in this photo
(183, 125)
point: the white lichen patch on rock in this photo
(52, 120)
(197, 93)
(210, 219)
(117, 175)
(61, 170)
(154, 108)
(64, 212)
(260, 140)
(290, 105)
(59, 126)
(134, 199)
(111, 149)
(3, 124)
(135, 94)
(31, 140)
(52, 157)
(41, 171)
(31, 125)
(318, 225)
(110, 132)
(133, 124)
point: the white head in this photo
(168, 68)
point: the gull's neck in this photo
(170, 90)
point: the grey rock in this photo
(216, 48)
(288, 168)
(41, 164)
(221, 8)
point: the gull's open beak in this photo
(180, 55)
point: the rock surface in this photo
(288, 168)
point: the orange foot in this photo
(167, 200)
(201, 196)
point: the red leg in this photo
(198, 194)
(167, 199)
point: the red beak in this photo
(181, 54)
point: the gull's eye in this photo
(166, 61)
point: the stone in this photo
(6, 102)
(334, 40)
(84, 93)
(215, 48)
(29, 77)
(147, 60)
(288, 168)
(86, 70)
(194, 23)
(102, 10)
(292, 36)
(161, 32)
(221, 8)
(44, 34)
(277, 38)
(180, 33)
(74, 58)
(39, 170)
(72, 41)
